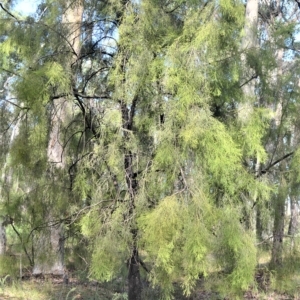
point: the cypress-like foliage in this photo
(158, 170)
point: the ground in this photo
(55, 289)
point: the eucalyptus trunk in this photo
(282, 194)
(279, 220)
(2, 236)
(7, 182)
(294, 220)
(51, 240)
(259, 226)
(249, 43)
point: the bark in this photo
(278, 229)
(4, 222)
(49, 240)
(294, 220)
(278, 232)
(280, 200)
(279, 217)
(134, 279)
(294, 199)
(72, 18)
(2, 236)
(259, 227)
(6, 186)
(249, 43)
(49, 257)
(250, 28)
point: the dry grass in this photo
(49, 290)
(268, 287)
(33, 290)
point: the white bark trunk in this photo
(51, 243)
(249, 43)
(6, 184)
(49, 258)
(2, 236)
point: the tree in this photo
(156, 128)
(172, 153)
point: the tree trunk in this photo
(134, 279)
(280, 200)
(248, 44)
(251, 18)
(294, 220)
(278, 229)
(6, 177)
(259, 227)
(134, 282)
(49, 257)
(278, 232)
(51, 241)
(2, 235)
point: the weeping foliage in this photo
(176, 240)
(178, 71)
(166, 96)
(237, 252)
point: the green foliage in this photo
(118, 296)
(237, 253)
(8, 266)
(34, 89)
(285, 278)
(154, 154)
(107, 261)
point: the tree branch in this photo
(9, 13)
(14, 104)
(21, 240)
(246, 82)
(264, 171)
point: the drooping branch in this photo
(266, 170)
(22, 243)
(9, 13)
(15, 104)
(247, 81)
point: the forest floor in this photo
(55, 289)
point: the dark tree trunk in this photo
(278, 232)
(259, 227)
(134, 279)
